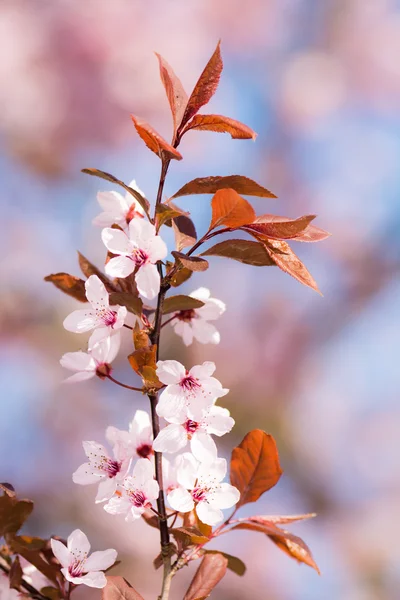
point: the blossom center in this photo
(199, 494)
(108, 466)
(189, 382)
(107, 316)
(137, 498)
(145, 450)
(186, 315)
(132, 213)
(103, 370)
(139, 257)
(77, 567)
(191, 427)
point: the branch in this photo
(35, 594)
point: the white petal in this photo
(171, 404)
(106, 219)
(218, 421)
(95, 579)
(142, 472)
(106, 490)
(96, 292)
(212, 309)
(86, 475)
(140, 231)
(78, 543)
(122, 311)
(208, 514)
(180, 499)
(151, 489)
(156, 248)
(98, 335)
(106, 350)
(120, 266)
(112, 202)
(117, 436)
(101, 560)
(117, 505)
(205, 333)
(78, 361)
(171, 439)
(203, 371)
(212, 473)
(80, 321)
(224, 496)
(187, 467)
(134, 513)
(214, 387)
(170, 371)
(201, 293)
(185, 331)
(61, 552)
(140, 429)
(129, 198)
(94, 451)
(116, 241)
(77, 377)
(203, 447)
(148, 281)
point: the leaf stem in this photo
(128, 387)
(168, 321)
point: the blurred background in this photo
(320, 83)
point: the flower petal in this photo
(80, 321)
(106, 490)
(77, 377)
(140, 429)
(142, 472)
(151, 489)
(148, 281)
(78, 543)
(224, 495)
(156, 248)
(117, 505)
(203, 447)
(101, 560)
(94, 451)
(212, 473)
(170, 371)
(171, 404)
(203, 371)
(185, 331)
(116, 241)
(96, 292)
(208, 514)
(120, 266)
(86, 475)
(218, 421)
(78, 361)
(140, 231)
(113, 202)
(205, 333)
(202, 293)
(212, 309)
(171, 439)
(180, 499)
(186, 470)
(61, 552)
(95, 579)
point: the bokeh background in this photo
(319, 80)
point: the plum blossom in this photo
(174, 437)
(117, 208)
(201, 488)
(100, 316)
(77, 566)
(139, 252)
(138, 440)
(137, 494)
(194, 323)
(108, 471)
(94, 362)
(188, 393)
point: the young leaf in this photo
(118, 588)
(245, 251)
(185, 232)
(180, 302)
(255, 467)
(234, 563)
(89, 269)
(70, 285)
(132, 303)
(193, 263)
(220, 124)
(13, 513)
(230, 209)
(177, 96)
(210, 572)
(51, 592)
(284, 257)
(205, 87)
(140, 338)
(154, 141)
(146, 357)
(144, 203)
(180, 276)
(15, 575)
(189, 535)
(309, 234)
(281, 519)
(280, 230)
(166, 212)
(210, 185)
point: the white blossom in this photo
(96, 361)
(138, 440)
(118, 209)
(194, 323)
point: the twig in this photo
(128, 387)
(35, 594)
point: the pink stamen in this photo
(76, 569)
(139, 257)
(191, 427)
(199, 494)
(189, 382)
(138, 499)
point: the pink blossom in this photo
(194, 323)
(94, 362)
(117, 208)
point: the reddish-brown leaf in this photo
(205, 87)
(13, 513)
(29, 550)
(133, 303)
(185, 232)
(118, 588)
(281, 519)
(154, 141)
(210, 185)
(182, 275)
(89, 269)
(180, 302)
(189, 536)
(245, 251)
(221, 124)
(289, 543)
(309, 234)
(193, 263)
(210, 572)
(255, 467)
(230, 209)
(70, 285)
(146, 357)
(176, 95)
(15, 575)
(281, 230)
(166, 212)
(234, 563)
(284, 257)
(144, 203)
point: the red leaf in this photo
(221, 124)
(281, 519)
(210, 572)
(281, 230)
(118, 588)
(205, 87)
(177, 96)
(185, 232)
(154, 141)
(230, 209)
(193, 263)
(210, 185)
(309, 234)
(255, 467)
(244, 251)
(70, 285)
